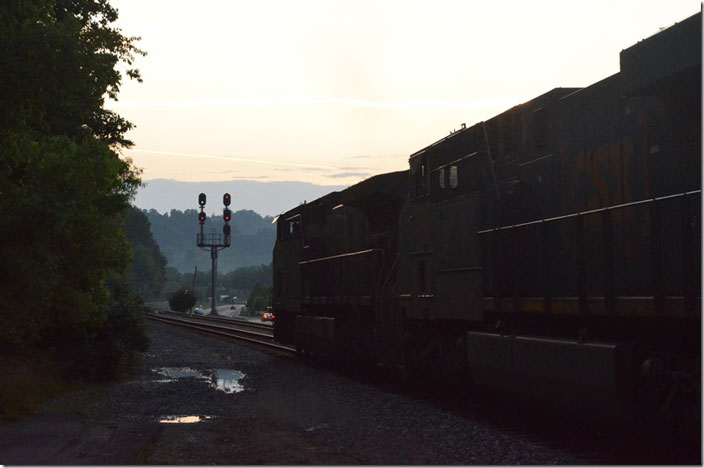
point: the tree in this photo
(147, 271)
(259, 298)
(64, 188)
(252, 237)
(182, 300)
(59, 62)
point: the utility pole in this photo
(214, 241)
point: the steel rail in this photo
(233, 333)
(222, 319)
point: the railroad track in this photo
(241, 330)
(220, 319)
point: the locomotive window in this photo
(289, 228)
(441, 177)
(453, 176)
(294, 228)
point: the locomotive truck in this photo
(554, 249)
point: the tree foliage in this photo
(64, 188)
(247, 277)
(182, 300)
(59, 61)
(235, 283)
(147, 273)
(259, 298)
(252, 239)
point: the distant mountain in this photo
(252, 239)
(265, 198)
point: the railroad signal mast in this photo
(214, 241)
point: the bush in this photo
(182, 300)
(123, 334)
(259, 297)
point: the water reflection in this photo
(183, 419)
(227, 380)
(175, 373)
(224, 380)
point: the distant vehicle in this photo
(268, 317)
(198, 311)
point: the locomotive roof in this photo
(390, 185)
(672, 50)
(550, 96)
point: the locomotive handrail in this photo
(332, 257)
(583, 213)
(689, 292)
(491, 161)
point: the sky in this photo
(332, 92)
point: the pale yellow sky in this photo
(331, 92)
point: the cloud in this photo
(307, 169)
(349, 174)
(232, 158)
(377, 156)
(238, 175)
(474, 103)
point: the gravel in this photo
(290, 412)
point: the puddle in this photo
(175, 373)
(183, 419)
(224, 380)
(227, 380)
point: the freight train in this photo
(554, 249)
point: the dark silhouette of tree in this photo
(146, 275)
(182, 300)
(64, 187)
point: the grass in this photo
(26, 383)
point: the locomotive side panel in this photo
(457, 259)
(606, 150)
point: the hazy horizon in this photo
(264, 198)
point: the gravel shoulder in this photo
(289, 413)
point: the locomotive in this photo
(554, 249)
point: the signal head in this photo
(201, 199)
(226, 229)
(227, 215)
(201, 217)
(226, 199)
